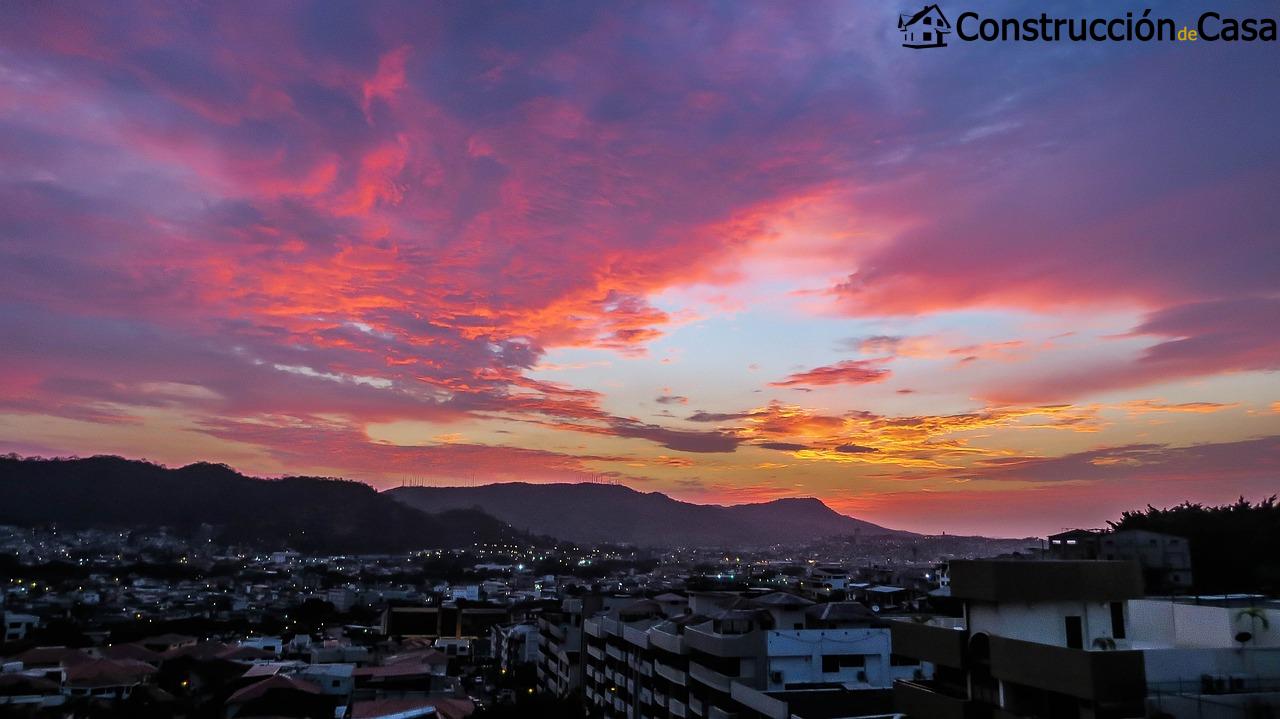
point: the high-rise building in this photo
(728, 654)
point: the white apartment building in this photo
(515, 644)
(17, 625)
(1077, 638)
(733, 655)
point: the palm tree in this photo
(1255, 615)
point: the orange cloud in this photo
(1143, 406)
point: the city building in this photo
(515, 645)
(17, 625)
(733, 654)
(559, 671)
(1165, 559)
(1075, 544)
(1063, 638)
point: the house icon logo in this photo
(927, 28)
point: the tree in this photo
(1256, 616)
(1234, 547)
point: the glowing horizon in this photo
(726, 253)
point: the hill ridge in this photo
(307, 513)
(590, 512)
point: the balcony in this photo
(635, 636)
(711, 678)
(759, 702)
(723, 645)
(715, 712)
(919, 699)
(553, 631)
(676, 707)
(673, 643)
(930, 643)
(1101, 676)
(671, 674)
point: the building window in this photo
(833, 663)
(1117, 620)
(1075, 633)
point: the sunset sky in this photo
(726, 251)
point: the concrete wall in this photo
(1189, 664)
(1161, 623)
(1217, 706)
(1043, 622)
(798, 655)
(1199, 626)
(1151, 622)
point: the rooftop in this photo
(1045, 580)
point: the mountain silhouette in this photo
(594, 513)
(304, 513)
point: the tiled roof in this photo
(108, 673)
(279, 682)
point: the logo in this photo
(930, 28)
(927, 28)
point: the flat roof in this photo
(1014, 580)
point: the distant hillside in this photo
(304, 513)
(602, 513)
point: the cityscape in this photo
(183, 610)
(587, 359)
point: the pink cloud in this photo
(843, 372)
(1203, 338)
